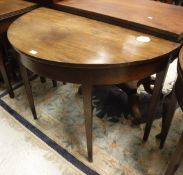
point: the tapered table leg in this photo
(168, 113)
(176, 159)
(160, 78)
(28, 90)
(87, 100)
(5, 75)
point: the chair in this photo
(168, 113)
(171, 102)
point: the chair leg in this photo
(5, 75)
(176, 159)
(42, 79)
(133, 103)
(160, 77)
(168, 113)
(28, 90)
(87, 100)
(54, 83)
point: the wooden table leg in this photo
(168, 113)
(28, 90)
(160, 78)
(87, 101)
(5, 75)
(176, 159)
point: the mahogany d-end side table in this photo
(9, 11)
(75, 49)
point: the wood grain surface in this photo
(64, 38)
(9, 8)
(150, 15)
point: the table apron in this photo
(103, 76)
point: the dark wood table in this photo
(9, 11)
(76, 49)
(156, 18)
(159, 19)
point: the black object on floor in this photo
(112, 102)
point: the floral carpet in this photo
(24, 153)
(118, 147)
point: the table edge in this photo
(119, 22)
(18, 12)
(99, 66)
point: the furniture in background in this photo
(9, 11)
(171, 102)
(47, 3)
(175, 96)
(91, 53)
(11, 63)
(176, 2)
(4, 71)
(149, 15)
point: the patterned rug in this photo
(24, 153)
(118, 147)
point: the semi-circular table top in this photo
(70, 40)
(10, 8)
